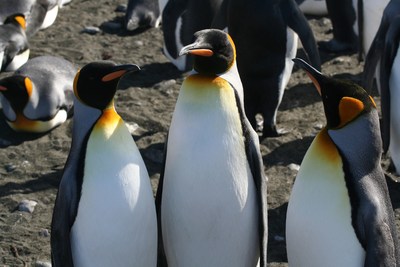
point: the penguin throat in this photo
(108, 121)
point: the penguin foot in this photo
(335, 46)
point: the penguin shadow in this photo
(150, 75)
(36, 184)
(276, 234)
(287, 153)
(299, 96)
(9, 137)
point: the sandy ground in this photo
(32, 165)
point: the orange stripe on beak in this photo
(202, 52)
(2, 88)
(315, 82)
(113, 75)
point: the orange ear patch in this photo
(28, 86)
(21, 21)
(349, 108)
(202, 52)
(113, 75)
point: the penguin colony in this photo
(210, 208)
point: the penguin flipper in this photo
(260, 180)
(65, 210)
(171, 13)
(298, 23)
(390, 50)
(161, 257)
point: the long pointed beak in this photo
(194, 50)
(313, 73)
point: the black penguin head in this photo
(213, 50)
(96, 83)
(16, 19)
(16, 89)
(343, 100)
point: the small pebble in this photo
(27, 205)
(132, 127)
(138, 43)
(165, 84)
(294, 167)
(91, 30)
(44, 233)
(10, 167)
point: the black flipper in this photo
(298, 22)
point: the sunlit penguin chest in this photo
(209, 206)
(115, 221)
(319, 230)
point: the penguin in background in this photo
(14, 46)
(211, 199)
(38, 96)
(104, 213)
(181, 19)
(266, 42)
(384, 61)
(354, 25)
(339, 211)
(142, 14)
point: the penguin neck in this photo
(108, 121)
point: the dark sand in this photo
(32, 165)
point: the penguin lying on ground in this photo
(104, 213)
(38, 96)
(383, 60)
(14, 47)
(266, 42)
(141, 14)
(211, 199)
(339, 211)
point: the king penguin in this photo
(266, 43)
(38, 96)
(339, 211)
(14, 47)
(383, 60)
(211, 197)
(104, 213)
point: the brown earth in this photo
(32, 165)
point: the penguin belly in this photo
(116, 220)
(291, 51)
(209, 206)
(319, 229)
(394, 82)
(23, 124)
(50, 17)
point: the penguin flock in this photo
(211, 207)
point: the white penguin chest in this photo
(116, 221)
(209, 206)
(318, 225)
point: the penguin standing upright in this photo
(14, 47)
(39, 95)
(181, 19)
(266, 42)
(104, 213)
(211, 197)
(383, 59)
(339, 211)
